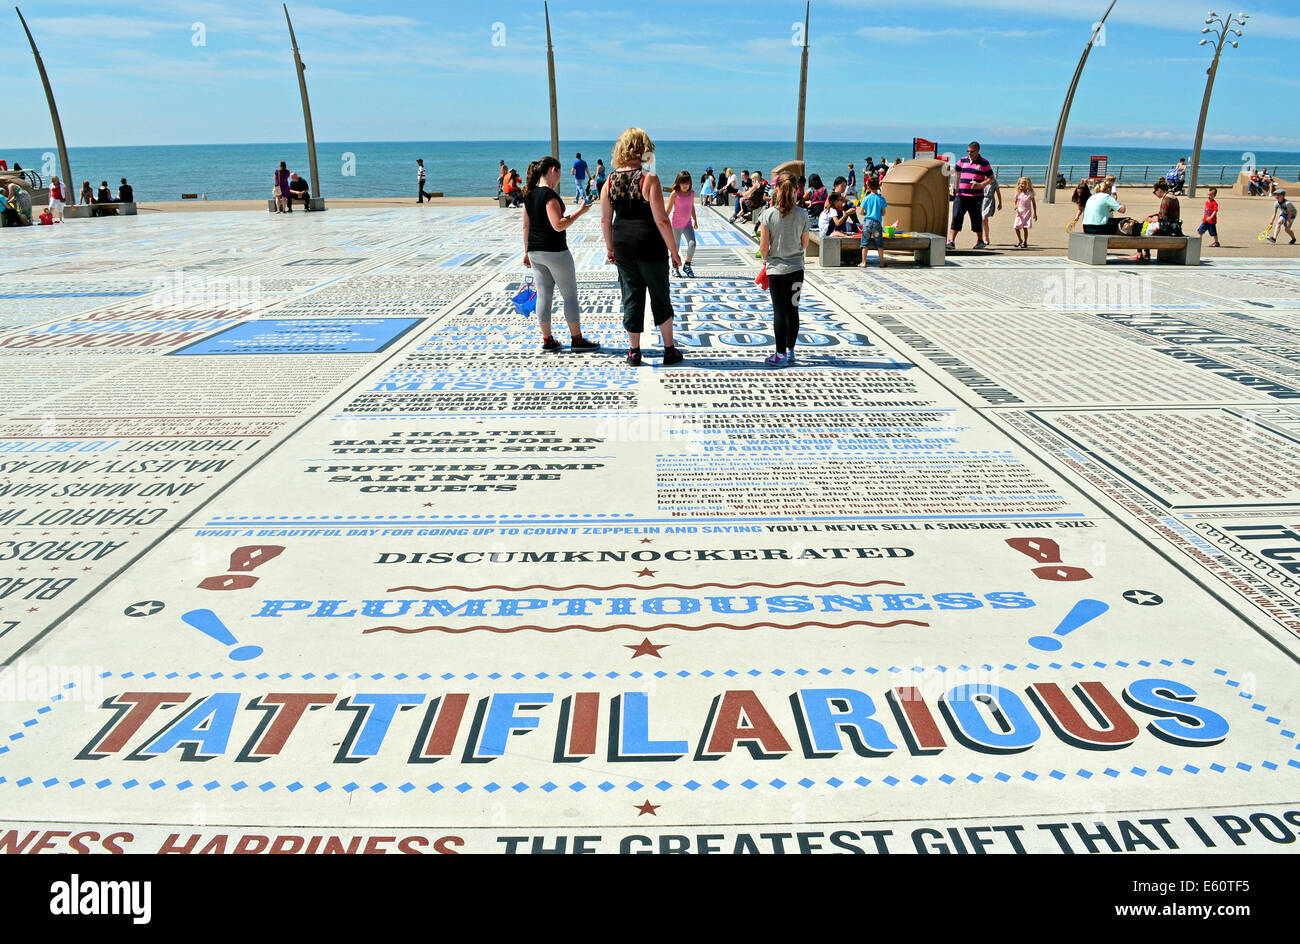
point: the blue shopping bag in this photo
(525, 300)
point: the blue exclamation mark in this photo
(209, 624)
(1085, 611)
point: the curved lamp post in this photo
(1225, 25)
(306, 116)
(550, 73)
(803, 86)
(1054, 161)
(64, 169)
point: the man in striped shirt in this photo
(972, 173)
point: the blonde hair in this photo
(1024, 185)
(631, 145)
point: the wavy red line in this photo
(640, 629)
(656, 586)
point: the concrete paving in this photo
(306, 546)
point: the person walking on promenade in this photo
(56, 197)
(682, 218)
(1026, 211)
(281, 189)
(1210, 219)
(419, 180)
(992, 194)
(639, 241)
(785, 229)
(579, 179)
(600, 176)
(546, 252)
(1283, 217)
(970, 175)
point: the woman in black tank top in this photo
(639, 242)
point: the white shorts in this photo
(56, 206)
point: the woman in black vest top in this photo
(639, 241)
(546, 252)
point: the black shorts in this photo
(968, 206)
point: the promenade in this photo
(306, 546)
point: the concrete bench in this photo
(86, 212)
(317, 203)
(1090, 248)
(927, 249)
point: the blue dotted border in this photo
(663, 786)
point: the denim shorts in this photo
(872, 232)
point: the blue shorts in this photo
(1210, 228)
(872, 232)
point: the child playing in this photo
(873, 226)
(56, 197)
(681, 216)
(47, 218)
(1284, 215)
(1026, 205)
(1210, 221)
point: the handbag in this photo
(525, 300)
(761, 279)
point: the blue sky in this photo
(132, 73)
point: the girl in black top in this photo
(639, 241)
(546, 251)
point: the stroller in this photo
(1176, 182)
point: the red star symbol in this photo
(646, 572)
(646, 541)
(33, 609)
(428, 504)
(648, 807)
(646, 648)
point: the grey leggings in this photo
(687, 231)
(555, 268)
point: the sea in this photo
(469, 168)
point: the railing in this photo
(1135, 174)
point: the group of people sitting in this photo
(288, 188)
(16, 205)
(1097, 206)
(101, 199)
(1261, 183)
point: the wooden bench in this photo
(1090, 248)
(927, 249)
(86, 212)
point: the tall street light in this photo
(1054, 160)
(1224, 25)
(64, 169)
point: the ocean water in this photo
(469, 168)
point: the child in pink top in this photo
(1026, 211)
(681, 216)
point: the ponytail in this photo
(784, 198)
(537, 170)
